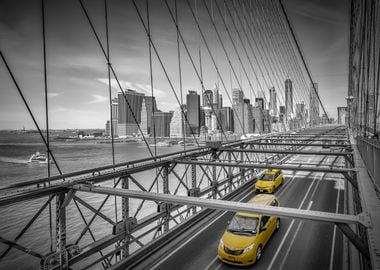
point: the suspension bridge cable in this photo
(234, 46)
(153, 121)
(180, 78)
(295, 63)
(46, 115)
(249, 44)
(256, 25)
(302, 57)
(213, 59)
(114, 74)
(260, 48)
(199, 75)
(275, 46)
(164, 69)
(224, 49)
(110, 98)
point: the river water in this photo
(15, 151)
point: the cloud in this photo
(53, 95)
(158, 93)
(97, 99)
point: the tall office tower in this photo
(162, 123)
(193, 111)
(243, 117)
(114, 111)
(273, 102)
(237, 96)
(177, 125)
(226, 119)
(314, 105)
(260, 103)
(127, 116)
(220, 102)
(282, 114)
(215, 98)
(151, 106)
(207, 98)
(108, 128)
(288, 97)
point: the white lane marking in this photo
(211, 263)
(278, 195)
(334, 235)
(290, 227)
(293, 239)
(191, 238)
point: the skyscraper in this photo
(273, 102)
(215, 98)
(162, 123)
(288, 97)
(207, 98)
(177, 126)
(193, 111)
(260, 103)
(148, 107)
(314, 105)
(226, 119)
(237, 96)
(127, 117)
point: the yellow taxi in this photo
(247, 234)
(269, 181)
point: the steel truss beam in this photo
(274, 151)
(285, 212)
(327, 169)
(295, 144)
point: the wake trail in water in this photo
(13, 160)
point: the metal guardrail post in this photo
(214, 176)
(125, 216)
(165, 178)
(61, 231)
(194, 183)
(230, 179)
(242, 170)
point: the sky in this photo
(77, 76)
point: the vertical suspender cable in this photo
(151, 78)
(110, 98)
(301, 55)
(46, 116)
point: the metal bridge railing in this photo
(370, 152)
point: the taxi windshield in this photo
(243, 225)
(267, 177)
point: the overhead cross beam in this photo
(229, 205)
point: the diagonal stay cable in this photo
(114, 73)
(193, 64)
(164, 69)
(212, 58)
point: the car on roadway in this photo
(269, 181)
(326, 144)
(247, 234)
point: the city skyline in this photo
(77, 75)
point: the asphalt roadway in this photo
(297, 245)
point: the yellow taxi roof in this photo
(268, 171)
(264, 199)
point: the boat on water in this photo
(162, 144)
(38, 158)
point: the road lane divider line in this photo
(192, 237)
(294, 238)
(290, 226)
(334, 234)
